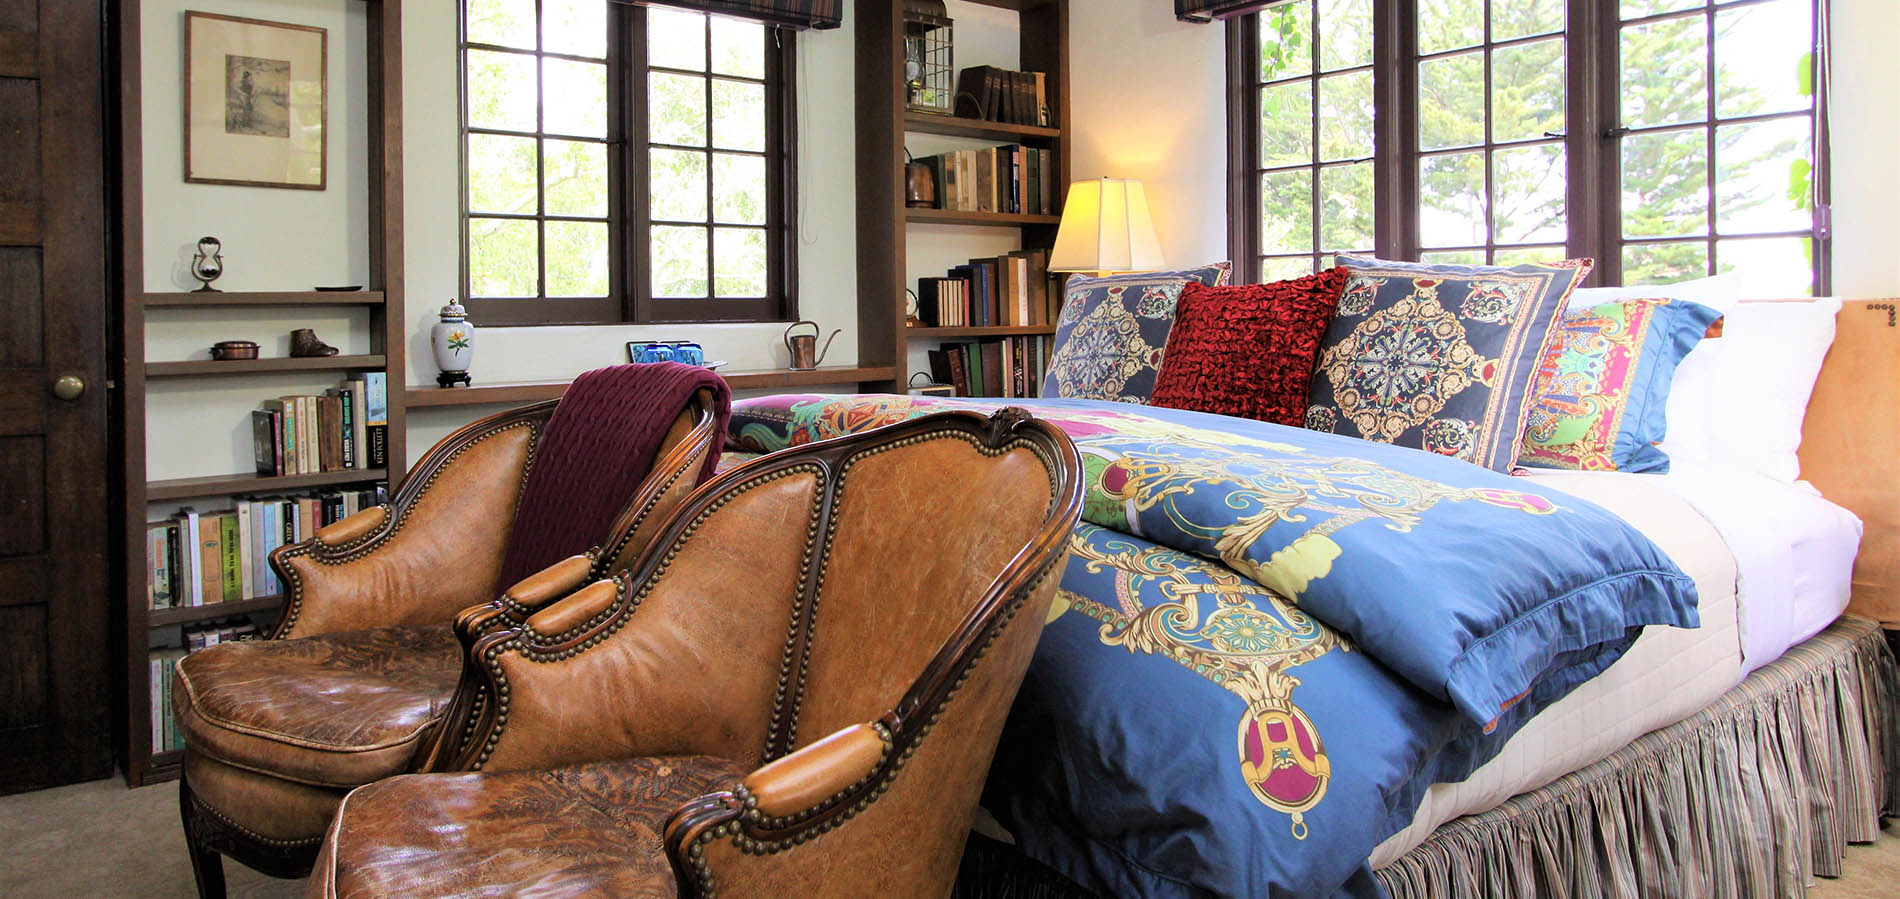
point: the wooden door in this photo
(54, 513)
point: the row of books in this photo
(1012, 289)
(1003, 95)
(162, 662)
(1007, 178)
(1005, 367)
(201, 559)
(345, 428)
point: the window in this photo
(1698, 154)
(1315, 161)
(625, 164)
(1490, 138)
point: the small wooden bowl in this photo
(228, 350)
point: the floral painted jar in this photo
(453, 339)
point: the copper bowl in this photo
(227, 350)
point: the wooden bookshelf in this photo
(978, 129)
(991, 219)
(225, 485)
(194, 300)
(193, 614)
(535, 391)
(884, 223)
(920, 333)
(262, 366)
(383, 302)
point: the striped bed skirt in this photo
(1752, 796)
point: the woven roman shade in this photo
(784, 13)
(1209, 10)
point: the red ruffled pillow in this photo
(1247, 350)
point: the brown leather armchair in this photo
(796, 691)
(355, 681)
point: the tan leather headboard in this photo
(1849, 442)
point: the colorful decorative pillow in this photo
(1247, 350)
(1603, 385)
(1113, 331)
(1438, 357)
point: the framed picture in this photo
(256, 102)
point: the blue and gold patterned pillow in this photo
(1112, 332)
(1438, 357)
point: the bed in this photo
(1197, 723)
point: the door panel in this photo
(55, 513)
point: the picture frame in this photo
(256, 102)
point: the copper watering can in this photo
(804, 347)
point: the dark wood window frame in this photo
(1591, 140)
(631, 298)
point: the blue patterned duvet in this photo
(1269, 641)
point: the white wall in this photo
(1865, 129)
(1149, 97)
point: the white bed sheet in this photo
(1772, 563)
(1794, 552)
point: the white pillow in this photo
(1742, 398)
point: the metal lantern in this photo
(929, 70)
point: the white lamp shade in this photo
(1106, 228)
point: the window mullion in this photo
(1243, 148)
(1709, 160)
(1594, 165)
(712, 277)
(636, 165)
(540, 160)
(1395, 124)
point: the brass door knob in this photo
(69, 387)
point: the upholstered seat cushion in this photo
(583, 830)
(336, 710)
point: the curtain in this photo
(785, 13)
(1209, 10)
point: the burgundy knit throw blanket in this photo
(597, 448)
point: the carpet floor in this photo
(101, 839)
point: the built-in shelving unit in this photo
(227, 485)
(195, 299)
(192, 367)
(989, 219)
(884, 222)
(383, 304)
(917, 333)
(535, 391)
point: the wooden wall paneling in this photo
(20, 306)
(54, 533)
(1848, 440)
(385, 209)
(880, 139)
(129, 399)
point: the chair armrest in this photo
(343, 532)
(806, 779)
(434, 550)
(512, 608)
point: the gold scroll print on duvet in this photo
(1244, 633)
(1231, 631)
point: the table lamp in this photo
(1106, 228)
